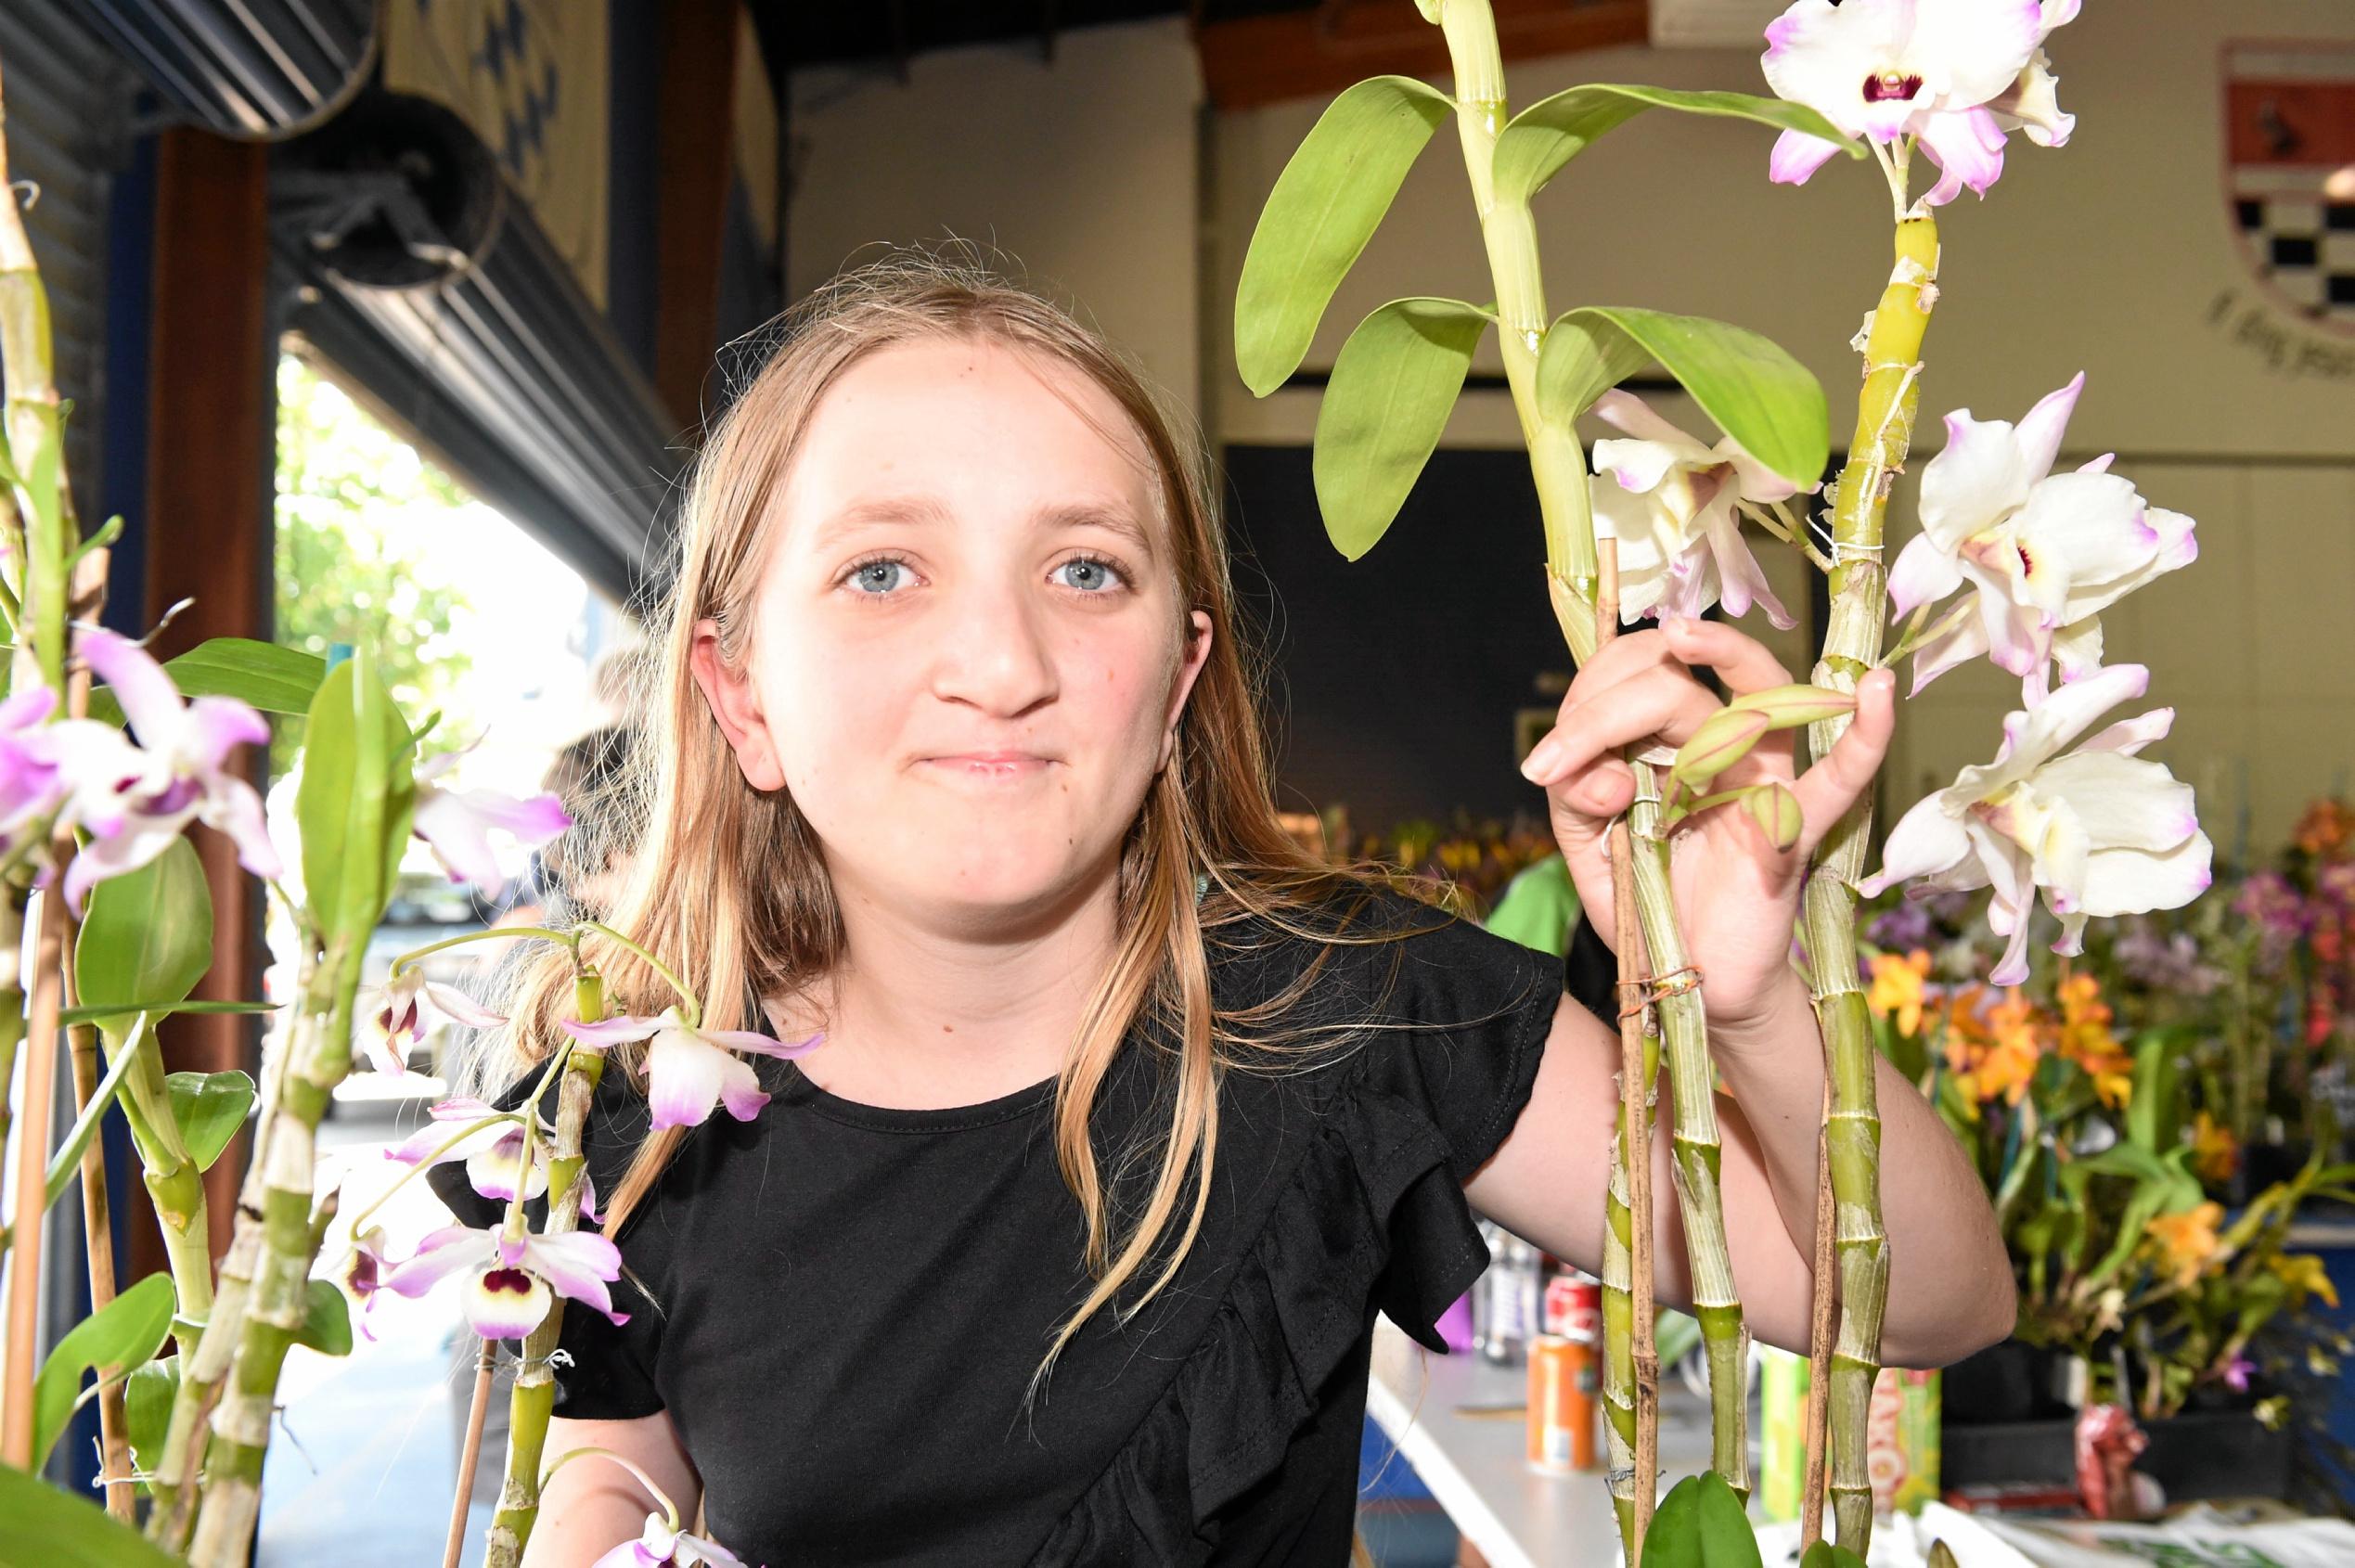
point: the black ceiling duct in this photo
(427, 284)
(256, 69)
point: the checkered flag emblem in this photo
(2290, 173)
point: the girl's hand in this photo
(1737, 895)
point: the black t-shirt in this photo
(853, 1299)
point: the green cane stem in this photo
(533, 1400)
(1851, 647)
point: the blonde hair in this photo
(725, 881)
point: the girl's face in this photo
(969, 656)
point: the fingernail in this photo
(1540, 759)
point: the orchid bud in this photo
(1788, 707)
(1724, 739)
(1776, 809)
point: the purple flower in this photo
(492, 1151)
(511, 1279)
(693, 1069)
(457, 824)
(399, 1017)
(664, 1544)
(2165, 963)
(135, 799)
(2236, 1373)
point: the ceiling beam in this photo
(1253, 61)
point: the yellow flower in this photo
(2114, 1089)
(2304, 1271)
(2187, 1241)
(2214, 1152)
(1897, 989)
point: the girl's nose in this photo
(993, 655)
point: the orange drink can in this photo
(1562, 1375)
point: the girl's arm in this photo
(590, 1507)
(1950, 1287)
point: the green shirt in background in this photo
(1539, 907)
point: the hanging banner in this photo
(531, 80)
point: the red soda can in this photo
(1573, 1306)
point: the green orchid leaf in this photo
(273, 679)
(1756, 392)
(147, 934)
(147, 1410)
(124, 1333)
(210, 1108)
(1392, 390)
(68, 1159)
(100, 1010)
(354, 804)
(1828, 1554)
(49, 1527)
(1325, 208)
(1550, 133)
(1701, 1524)
(327, 1320)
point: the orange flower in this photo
(2323, 831)
(2216, 1154)
(1999, 1055)
(1898, 989)
(2187, 1241)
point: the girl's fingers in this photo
(1827, 790)
(1661, 702)
(1740, 660)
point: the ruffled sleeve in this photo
(604, 1371)
(1373, 1214)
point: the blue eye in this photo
(1096, 564)
(866, 573)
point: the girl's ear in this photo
(737, 708)
(1189, 667)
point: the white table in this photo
(1478, 1467)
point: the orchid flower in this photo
(1928, 68)
(398, 1019)
(511, 1276)
(493, 1152)
(2046, 552)
(135, 799)
(364, 1274)
(2031, 103)
(29, 788)
(664, 1544)
(691, 1067)
(457, 824)
(1671, 503)
(2102, 831)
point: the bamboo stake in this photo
(1819, 1321)
(477, 1411)
(1852, 643)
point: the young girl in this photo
(1065, 1246)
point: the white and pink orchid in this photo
(2099, 829)
(664, 1545)
(2045, 552)
(134, 799)
(457, 824)
(1948, 72)
(492, 1151)
(690, 1069)
(364, 1274)
(511, 1278)
(397, 1021)
(1672, 504)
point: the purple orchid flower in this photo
(135, 799)
(693, 1069)
(398, 1020)
(457, 824)
(1927, 69)
(493, 1152)
(511, 1278)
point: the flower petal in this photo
(2130, 735)
(2078, 648)
(2121, 802)
(456, 1006)
(2042, 428)
(1969, 149)
(533, 819)
(1796, 156)
(506, 1302)
(2129, 882)
(1926, 841)
(1963, 641)
(214, 727)
(458, 838)
(579, 1263)
(1626, 412)
(232, 806)
(739, 1089)
(150, 702)
(619, 1030)
(442, 1253)
(1977, 479)
(1924, 575)
(762, 1045)
(685, 1078)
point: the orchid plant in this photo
(107, 757)
(1655, 526)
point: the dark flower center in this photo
(1890, 84)
(515, 1280)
